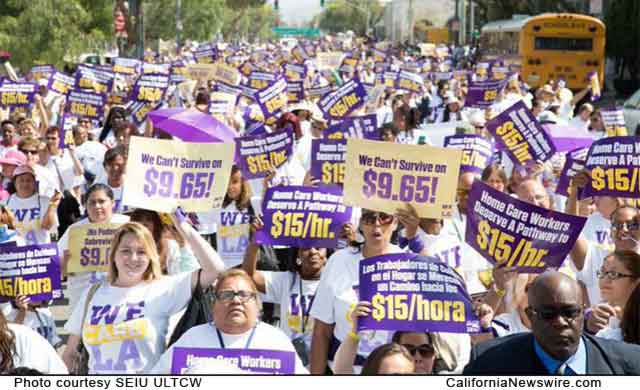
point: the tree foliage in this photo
(623, 35)
(341, 16)
(488, 10)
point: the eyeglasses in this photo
(52, 138)
(229, 295)
(633, 225)
(461, 192)
(29, 151)
(612, 275)
(425, 350)
(372, 218)
(569, 313)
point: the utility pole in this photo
(178, 26)
(463, 22)
(472, 19)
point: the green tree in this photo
(45, 31)
(488, 10)
(341, 16)
(623, 35)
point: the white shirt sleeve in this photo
(33, 351)
(323, 303)
(276, 284)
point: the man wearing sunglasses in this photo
(556, 344)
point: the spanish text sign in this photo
(32, 270)
(614, 163)
(385, 176)
(504, 229)
(89, 247)
(165, 174)
(414, 293)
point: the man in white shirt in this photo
(583, 119)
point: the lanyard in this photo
(303, 297)
(248, 340)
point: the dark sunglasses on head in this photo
(425, 350)
(372, 218)
(569, 313)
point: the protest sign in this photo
(251, 360)
(295, 91)
(299, 53)
(329, 60)
(521, 135)
(272, 100)
(294, 72)
(386, 79)
(164, 69)
(349, 65)
(363, 127)
(302, 217)
(573, 163)
(317, 92)
(413, 293)
(614, 163)
(202, 72)
(476, 151)
(206, 54)
(226, 74)
(411, 82)
(33, 271)
(261, 80)
(594, 82)
(259, 153)
(89, 247)
(178, 72)
(614, 124)
(221, 104)
(61, 83)
(165, 174)
(232, 236)
(482, 94)
(138, 111)
(127, 66)
(343, 101)
(327, 161)
(150, 87)
(385, 176)
(100, 81)
(17, 94)
(40, 72)
(504, 229)
(499, 72)
(85, 104)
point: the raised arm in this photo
(251, 257)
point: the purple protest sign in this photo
(343, 101)
(17, 94)
(39, 72)
(476, 151)
(573, 163)
(272, 100)
(411, 82)
(295, 91)
(594, 81)
(438, 76)
(178, 71)
(613, 119)
(414, 293)
(100, 81)
(327, 161)
(349, 65)
(294, 72)
(138, 111)
(250, 360)
(32, 270)
(482, 94)
(362, 127)
(85, 104)
(259, 153)
(524, 139)
(127, 66)
(504, 229)
(316, 92)
(261, 80)
(303, 217)
(388, 79)
(206, 54)
(150, 87)
(61, 83)
(614, 163)
(300, 54)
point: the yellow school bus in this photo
(548, 47)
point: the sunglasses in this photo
(425, 350)
(569, 313)
(372, 218)
(612, 275)
(633, 225)
(229, 295)
(29, 151)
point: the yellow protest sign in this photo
(385, 176)
(89, 247)
(226, 74)
(329, 60)
(202, 72)
(165, 174)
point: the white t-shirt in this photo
(597, 230)
(79, 282)
(577, 123)
(47, 179)
(232, 234)
(42, 322)
(266, 337)
(508, 323)
(125, 328)
(29, 213)
(91, 155)
(63, 167)
(35, 352)
(283, 288)
(337, 295)
(592, 263)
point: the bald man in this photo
(556, 344)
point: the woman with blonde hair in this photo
(123, 321)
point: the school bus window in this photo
(568, 44)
